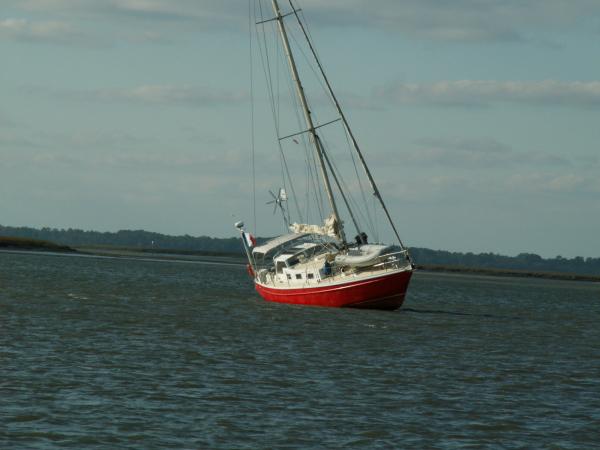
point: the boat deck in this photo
(338, 276)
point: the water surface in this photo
(112, 353)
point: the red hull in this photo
(383, 292)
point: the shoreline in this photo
(160, 254)
(29, 245)
(488, 271)
(195, 255)
(23, 244)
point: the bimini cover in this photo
(273, 244)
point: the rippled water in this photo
(111, 353)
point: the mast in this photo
(374, 187)
(309, 122)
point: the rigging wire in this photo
(310, 65)
(328, 95)
(375, 218)
(355, 207)
(274, 90)
(313, 180)
(368, 213)
(318, 78)
(308, 153)
(252, 125)
(345, 191)
(277, 101)
(376, 191)
(264, 55)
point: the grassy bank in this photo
(157, 251)
(16, 243)
(507, 272)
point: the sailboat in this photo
(317, 265)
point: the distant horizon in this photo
(236, 236)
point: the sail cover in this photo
(330, 228)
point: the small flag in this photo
(249, 240)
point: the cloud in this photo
(176, 95)
(41, 31)
(522, 187)
(6, 121)
(553, 183)
(476, 153)
(459, 20)
(119, 158)
(459, 168)
(209, 13)
(452, 21)
(150, 37)
(190, 96)
(113, 150)
(483, 93)
(13, 140)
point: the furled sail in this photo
(330, 228)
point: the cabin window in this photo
(280, 265)
(293, 261)
(298, 276)
(289, 277)
(310, 276)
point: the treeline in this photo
(524, 261)
(126, 239)
(422, 256)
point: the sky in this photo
(480, 119)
